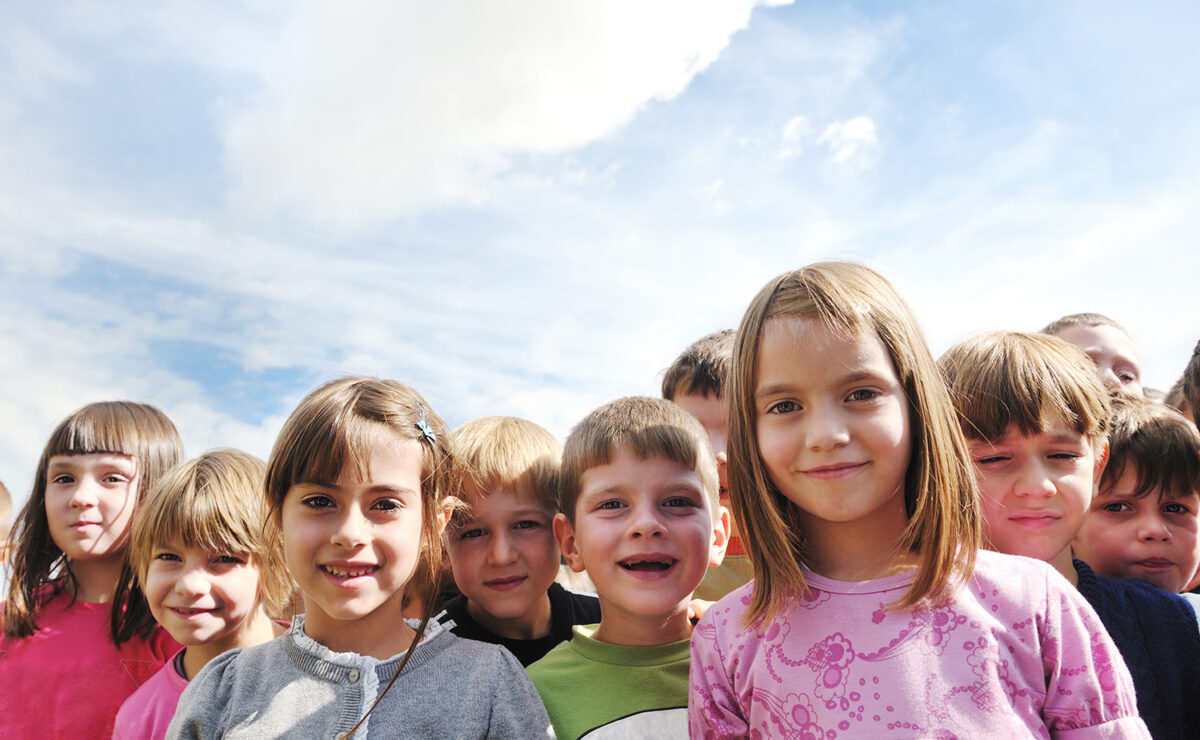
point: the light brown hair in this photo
(650, 427)
(1159, 443)
(1080, 319)
(214, 503)
(121, 427)
(702, 368)
(939, 488)
(5, 513)
(1002, 379)
(502, 451)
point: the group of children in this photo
(816, 474)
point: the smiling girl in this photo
(359, 484)
(872, 613)
(61, 673)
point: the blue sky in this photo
(529, 208)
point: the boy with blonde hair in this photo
(501, 542)
(1036, 417)
(640, 513)
(1107, 345)
(696, 382)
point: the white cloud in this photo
(381, 109)
(851, 143)
(795, 131)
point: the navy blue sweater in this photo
(1157, 634)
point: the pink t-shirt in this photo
(68, 680)
(1016, 653)
(146, 714)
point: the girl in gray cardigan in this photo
(358, 483)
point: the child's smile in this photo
(353, 544)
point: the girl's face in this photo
(89, 503)
(202, 597)
(832, 423)
(352, 545)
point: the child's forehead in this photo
(498, 495)
(1054, 430)
(1130, 486)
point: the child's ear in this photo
(564, 535)
(716, 553)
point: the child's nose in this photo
(646, 522)
(191, 581)
(84, 495)
(826, 429)
(1152, 528)
(1034, 481)
(351, 529)
(501, 550)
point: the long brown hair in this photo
(939, 488)
(123, 427)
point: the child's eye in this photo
(387, 504)
(318, 501)
(527, 524)
(1064, 456)
(229, 560)
(1174, 507)
(62, 479)
(783, 407)
(167, 557)
(611, 504)
(470, 534)
(679, 501)
(863, 394)
(1116, 507)
(990, 460)
(115, 478)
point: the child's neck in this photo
(382, 634)
(621, 628)
(257, 629)
(533, 625)
(1064, 563)
(94, 581)
(843, 552)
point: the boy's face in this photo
(1112, 351)
(1128, 536)
(1035, 490)
(645, 532)
(713, 415)
(504, 559)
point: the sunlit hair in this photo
(649, 427)
(503, 451)
(1176, 400)
(939, 487)
(1191, 384)
(336, 426)
(215, 504)
(1009, 379)
(1160, 444)
(702, 368)
(1080, 319)
(119, 427)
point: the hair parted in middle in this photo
(650, 427)
(1159, 443)
(939, 488)
(499, 451)
(336, 425)
(1005, 378)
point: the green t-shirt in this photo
(603, 690)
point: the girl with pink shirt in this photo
(63, 672)
(205, 551)
(873, 614)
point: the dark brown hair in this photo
(702, 368)
(1159, 443)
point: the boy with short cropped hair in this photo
(1107, 345)
(695, 382)
(640, 512)
(1144, 518)
(501, 542)
(1036, 416)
